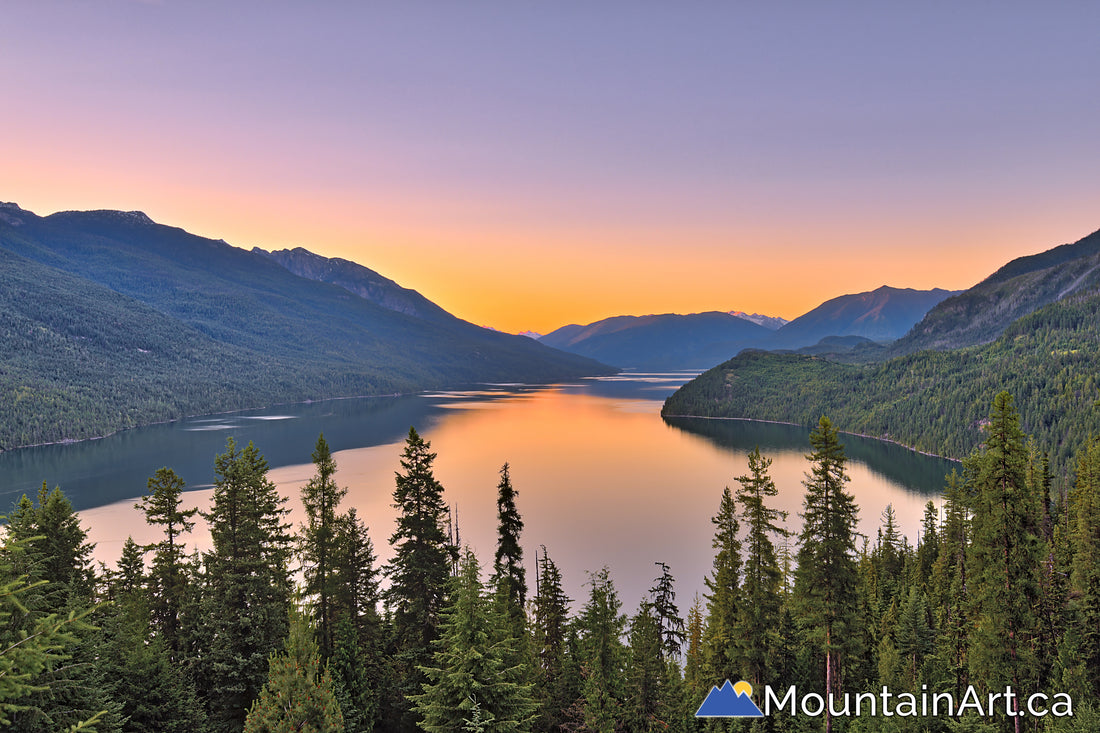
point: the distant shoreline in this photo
(843, 432)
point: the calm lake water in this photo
(602, 479)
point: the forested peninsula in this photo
(935, 401)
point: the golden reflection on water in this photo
(601, 481)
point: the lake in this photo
(602, 478)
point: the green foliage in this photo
(247, 597)
(420, 566)
(469, 682)
(723, 603)
(167, 580)
(825, 590)
(298, 695)
(133, 323)
(932, 401)
(317, 542)
(755, 628)
(603, 656)
(1004, 558)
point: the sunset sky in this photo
(527, 165)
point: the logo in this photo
(729, 701)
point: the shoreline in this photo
(909, 448)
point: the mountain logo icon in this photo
(729, 701)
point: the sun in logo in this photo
(743, 688)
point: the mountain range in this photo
(109, 320)
(699, 340)
(1032, 328)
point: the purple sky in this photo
(528, 165)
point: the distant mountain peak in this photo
(12, 213)
(128, 217)
(769, 322)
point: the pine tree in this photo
(603, 656)
(419, 569)
(358, 663)
(756, 626)
(825, 594)
(247, 597)
(317, 541)
(669, 623)
(1084, 531)
(719, 646)
(50, 548)
(508, 561)
(949, 587)
(31, 643)
(298, 694)
(555, 688)
(167, 579)
(1004, 558)
(151, 689)
(469, 679)
(646, 707)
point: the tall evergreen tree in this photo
(247, 597)
(317, 541)
(167, 579)
(757, 625)
(1084, 531)
(664, 610)
(298, 694)
(508, 561)
(555, 688)
(825, 595)
(419, 569)
(469, 678)
(358, 663)
(720, 650)
(1004, 558)
(646, 707)
(603, 656)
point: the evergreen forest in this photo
(281, 628)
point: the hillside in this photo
(666, 341)
(111, 320)
(1024, 285)
(934, 401)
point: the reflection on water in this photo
(602, 479)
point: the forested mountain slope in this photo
(934, 401)
(110, 320)
(980, 314)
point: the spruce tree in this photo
(603, 656)
(167, 579)
(825, 592)
(1004, 558)
(247, 597)
(298, 694)
(469, 679)
(723, 605)
(508, 571)
(418, 571)
(53, 554)
(669, 623)
(555, 688)
(646, 707)
(317, 542)
(756, 627)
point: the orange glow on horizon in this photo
(536, 275)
